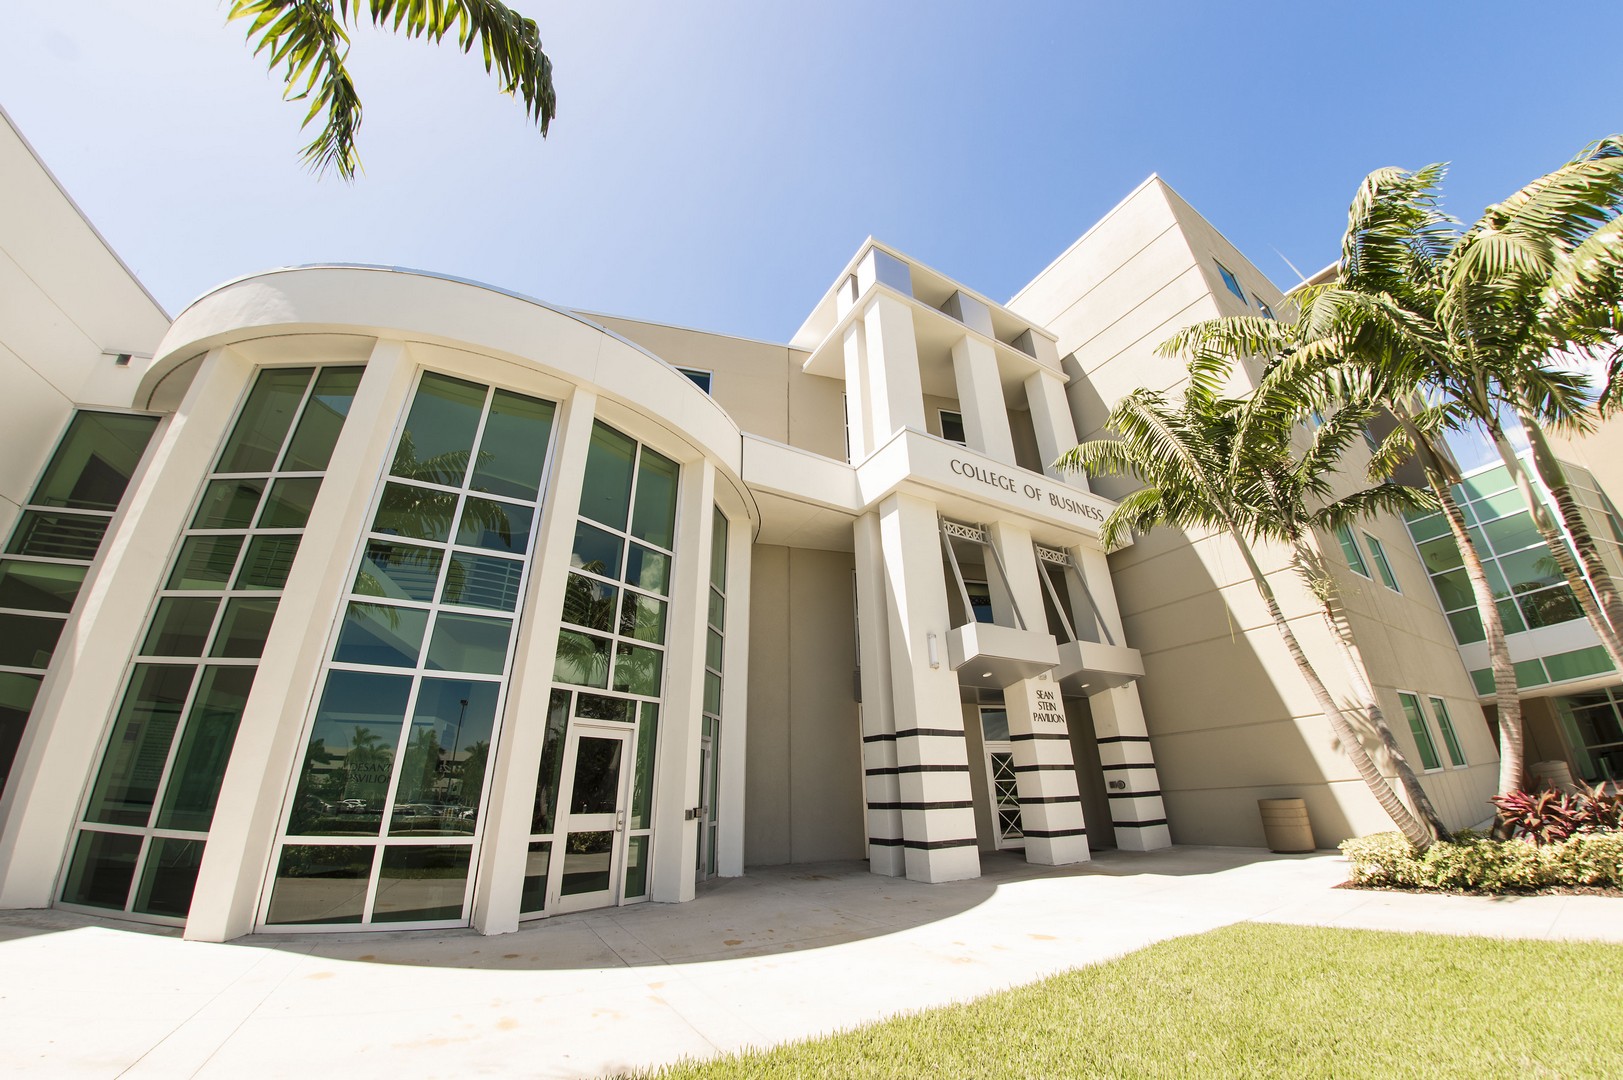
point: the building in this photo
(359, 597)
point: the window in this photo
(698, 377)
(1231, 281)
(1267, 312)
(1381, 565)
(952, 426)
(1422, 734)
(1349, 548)
(1445, 724)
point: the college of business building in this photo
(359, 597)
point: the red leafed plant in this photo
(1550, 816)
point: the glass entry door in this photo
(597, 767)
(706, 867)
(1001, 779)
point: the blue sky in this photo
(716, 164)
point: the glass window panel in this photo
(228, 504)
(583, 659)
(712, 692)
(93, 464)
(483, 581)
(596, 789)
(533, 898)
(264, 420)
(642, 789)
(419, 883)
(1500, 505)
(57, 536)
(442, 769)
(344, 779)
(381, 634)
(648, 569)
(495, 526)
(1454, 590)
(1467, 626)
(599, 707)
(473, 643)
(1384, 568)
(1511, 617)
(642, 617)
(1530, 673)
(1482, 678)
(290, 501)
(718, 552)
(39, 586)
(205, 562)
(1512, 533)
(589, 602)
(438, 438)
(552, 762)
(205, 749)
(180, 626)
(637, 670)
(597, 551)
(415, 513)
(1349, 550)
(606, 492)
(636, 866)
(268, 562)
(588, 859)
(127, 784)
(320, 884)
(1579, 663)
(1417, 727)
(398, 571)
(1549, 607)
(1485, 483)
(995, 725)
(514, 446)
(311, 446)
(1529, 570)
(712, 650)
(101, 871)
(1427, 527)
(169, 877)
(244, 627)
(1440, 554)
(718, 609)
(1445, 724)
(654, 518)
(17, 693)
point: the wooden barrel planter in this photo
(1286, 827)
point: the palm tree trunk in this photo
(1554, 478)
(1559, 550)
(1416, 833)
(1310, 567)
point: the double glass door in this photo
(1002, 781)
(598, 765)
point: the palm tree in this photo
(1228, 465)
(309, 39)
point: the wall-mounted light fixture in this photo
(935, 653)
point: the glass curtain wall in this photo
(714, 642)
(610, 662)
(149, 810)
(388, 800)
(49, 552)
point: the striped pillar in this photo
(881, 788)
(1045, 775)
(1134, 788)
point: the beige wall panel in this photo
(1026, 454)
(932, 411)
(1601, 452)
(766, 773)
(1137, 293)
(816, 411)
(33, 414)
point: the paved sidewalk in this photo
(781, 954)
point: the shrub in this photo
(1550, 816)
(1474, 863)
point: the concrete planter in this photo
(1286, 827)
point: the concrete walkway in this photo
(782, 954)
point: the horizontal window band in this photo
(1138, 824)
(1049, 834)
(891, 771)
(936, 845)
(1134, 794)
(886, 841)
(1123, 738)
(884, 736)
(931, 768)
(947, 733)
(1039, 735)
(964, 805)
(1064, 767)
(1129, 765)
(1049, 800)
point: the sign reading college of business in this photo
(1039, 491)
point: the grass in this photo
(1256, 1000)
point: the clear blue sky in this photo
(716, 164)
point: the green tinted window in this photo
(205, 749)
(1417, 727)
(606, 489)
(438, 439)
(1445, 724)
(38, 586)
(514, 447)
(142, 732)
(654, 519)
(311, 446)
(264, 420)
(93, 463)
(1349, 550)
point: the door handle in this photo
(620, 821)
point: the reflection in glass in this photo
(588, 858)
(169, 877)
(483, 581)
(654, 519)
(495, 526)
(180, 626)
(596, 789)
(636, 867)
(583, 659)
(637, 670)
(35, 586)
(642, 790)
(317, 433)
(712, 693)
(228, 504)
(17, 693)
(344, 780)
(142, 732)
(290, 501)
(534, 896)
(514, 446)
(381, 634)
(552, 762)
(268, 561)
(596, 550)
(101, 871)
(205, 749)
(642, 617)
(320, 884)
(26, 641)
(718, 552)
(415, 513)
(398, 571)
(601, 707)
(438, 439)
(93, 464)
(589, 602)
(442, 769)
(244, 628)
(606, 492)
(995, 725)
(57, 536)
(419, 883)
(647, 569)
(265, 418)
(472, 643)
(205, 562)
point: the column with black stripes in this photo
(1136, 809)
(881, 789)
(1045, 775)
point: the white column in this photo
(1100, 595)
(62, 745)
(881, 791)
(896, 395)
(932, 764)
(270, 736)
(1136, 808)
(1051, 419)
(516, 763)
(858, 396)
(1045, 775)
(980, 399)
(676, 784)
(734, 701)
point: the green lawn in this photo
(1258, 1000)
